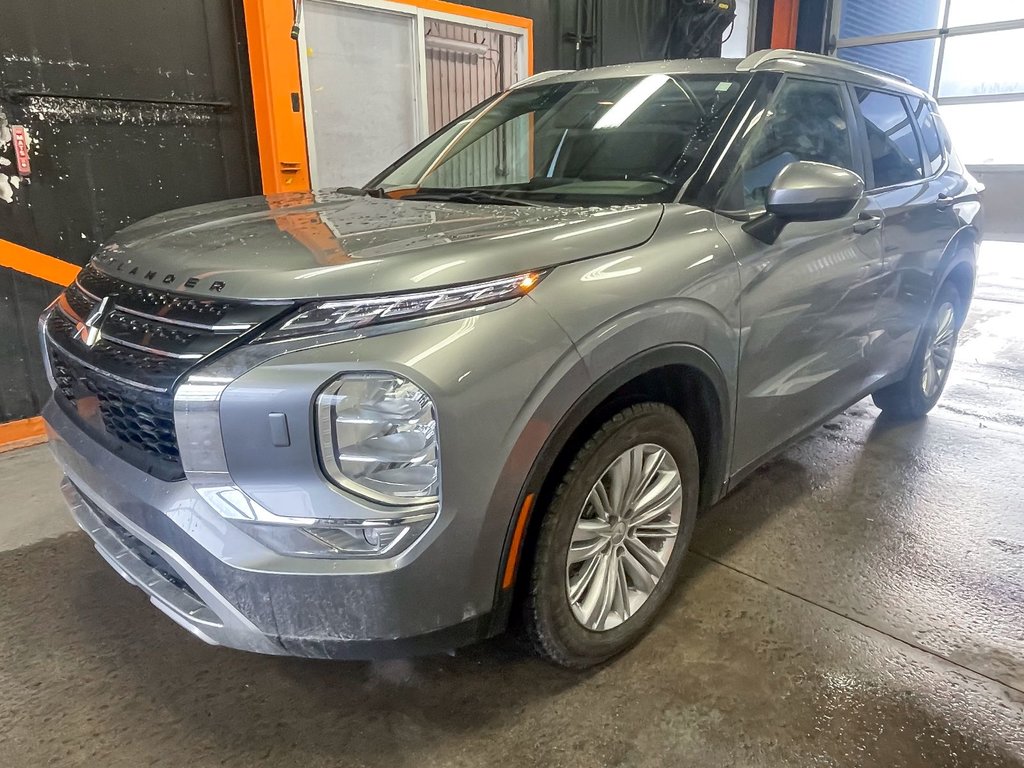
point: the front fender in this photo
(670, 302)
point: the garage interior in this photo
(857, 601)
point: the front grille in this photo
(142, 421)
(121, 389)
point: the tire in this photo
(916, 395)
(650, 436)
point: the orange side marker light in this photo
(517, 541)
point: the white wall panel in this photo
(362, 90)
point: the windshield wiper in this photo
(362, 191)
(475, 196)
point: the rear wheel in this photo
(920, 390)
(613, 538)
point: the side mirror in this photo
(805, 191)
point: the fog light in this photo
(371, 538)
(377, 434)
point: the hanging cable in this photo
(296, 18)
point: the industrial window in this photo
(895, 153)
(870, 18)
(962, 51)
(970, 68)
(910, 59)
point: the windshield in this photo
(592, 142)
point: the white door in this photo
(362, 90)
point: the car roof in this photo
(792, 62)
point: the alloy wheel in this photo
(938, 358)
(624, 537)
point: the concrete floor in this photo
(858, 602)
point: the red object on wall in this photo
(784, 23)
(20, 136)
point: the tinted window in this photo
(943, 130)
(895, 154)
(929, 133)
(806, 121)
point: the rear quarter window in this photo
(930, 135)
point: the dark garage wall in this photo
(545, 32)
(133, 108)
(615, 31)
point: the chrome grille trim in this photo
(235, 328)
(107, 374)
(64, 309)
(150, 350)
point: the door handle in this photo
(866, 223)
(944, 202)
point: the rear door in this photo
(809, 300)
(905, 164)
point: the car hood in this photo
(304, 246)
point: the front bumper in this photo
(163, 538)
(496, 404)
(171, 584)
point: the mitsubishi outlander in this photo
(500, 380)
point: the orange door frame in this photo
(784, 23)
(276, 96)
(277, 83)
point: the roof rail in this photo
(533, 79)
(760, 58)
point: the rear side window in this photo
(926, 122)
(895, 154)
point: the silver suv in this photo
(502, 378)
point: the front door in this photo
(809, 301)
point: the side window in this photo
(929, 133)
(806, 120)
(895, 154)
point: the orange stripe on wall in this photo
(37, 264)
(20, 434)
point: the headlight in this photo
(377, 434)
(359, 313)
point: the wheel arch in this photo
(683, 376)
(959, 266)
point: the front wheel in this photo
(920, 390)
(613, 538)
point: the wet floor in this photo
(858, 602)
